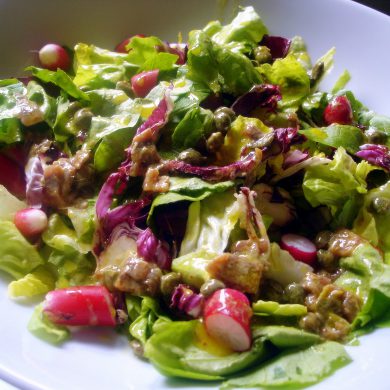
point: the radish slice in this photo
(299, 247)
(143, 82)
(30, 222)
(227, 315)
(53, 56)
(339, 110)
(80, 306)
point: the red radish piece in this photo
(143, 82)
(53, 56)
(227, 315)
(121, 47)
(299, 247)
(12, 177)
(80, 306)
(339, 111)
(30, 222)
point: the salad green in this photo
(205, 198)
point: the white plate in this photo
(101, 360)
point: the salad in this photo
(204, 198)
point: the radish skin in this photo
(339, 111)
(121, 47)
(143, 82)
(227, 315)
(30, 222)
(299, 247)
(80, 306)
(53, 56)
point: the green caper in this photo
(211, 286)
(124, 86)
(214, 142)
(262, 54)
(82, 118)
(322, 239)
(168, 282)
(73, 107)
(192, 156)
(375, 136)
(223, 117)
(295, 293)
(381, 205)
(327, 259)
(316, 73)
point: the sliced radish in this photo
(80, 306)
(53, 56)
(299, 247)
(30, 222)
(143, 82)
(121, 47)
(227, 315)
(339, 111)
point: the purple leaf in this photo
(185, 300)
(151, 249)
(34, 182)
(378, 155)
(294, 157)
(284, 137)
(215, 173)
(278, 46)
(262, 95)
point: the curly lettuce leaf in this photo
(17, 256)
(340, 185)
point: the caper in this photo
(381, 205)
(168, 282)
(73, 107)
(211, 286)
(375, 136)
(191, 156)
(223, 117)
(82, 118)
(326, 258)
(214, 142)
(295, 293)
(316, 73)
(262, 54)
(322, 239)
(124, 86)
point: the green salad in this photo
(204, 198)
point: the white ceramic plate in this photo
(101, 360)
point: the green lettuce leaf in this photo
(340, 185)
(61, 79)
(271, 308)
(10, 204)
(143, 313)
(292, 369)
(17, 256)
(42, 328)
(348, 137)
(291, 77)
(197, 124)
(369, 277)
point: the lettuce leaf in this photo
(367, 276)
(293, 369)
(17, 256)
(271, 308)
(10, 204)
(340, 185)
(42, 328)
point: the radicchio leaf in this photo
(34, 182)
(284, 137)
(278, 46)
(262, 95)
(187, 301)
(294, 157)
(151, 249)
(215, 173)
(378, 155)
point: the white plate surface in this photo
(102, 360)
